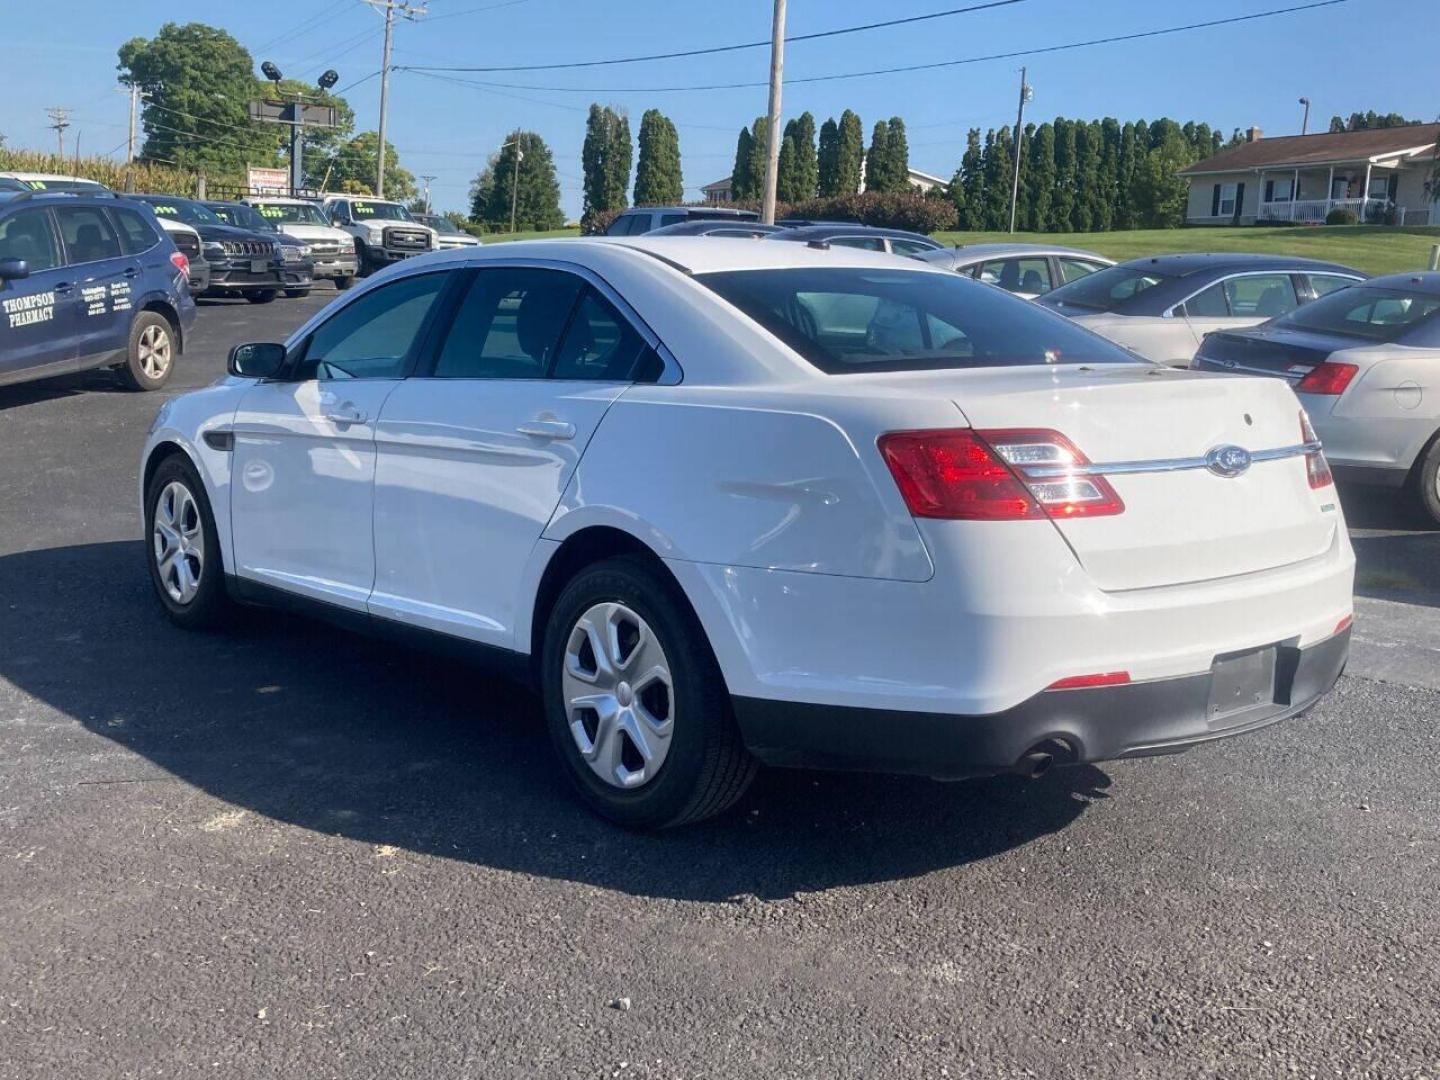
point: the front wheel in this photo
(183, 547)
(1427, 482)
(264, 296)
(151, 356)
(635, 703)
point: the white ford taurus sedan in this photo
(728, 502)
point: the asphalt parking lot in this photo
(287, 851)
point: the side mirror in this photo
(257, 360)
(14, 269)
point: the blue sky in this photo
(1354, 56)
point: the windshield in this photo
(60, 184)
(372, 211)
(290, 213)
(1373, 314)
(846, 320)
(442, 225)
(191, 213)
(1107, 289)
(243, 217)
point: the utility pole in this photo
(408, 11)
(777, 78)
(59, 121)
(1026, 93)
(134, 108)
(1305, 121)
(427, 180)
(515, 183)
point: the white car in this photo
(383, 232)
(728, 502)
(332, 249)
(1365, 362)
(1027, 270)
(1163, 306)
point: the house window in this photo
(1282, 190)
(1379, 187)
(1227, 200)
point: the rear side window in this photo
(88, 235)
(866, 243)
(1324, 284)
(598, 343)
(27, 235)
(509, 324)
(136, 235)
(909, 247)
(1075, 269)
(671, 219)
(1208, 304)
(846, 320)
(1106, 290)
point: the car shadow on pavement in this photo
(1404, 567)
(334, 732)
(95, 381)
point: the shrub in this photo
(908, 210)
(1341, 215)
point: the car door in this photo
(38, 312)
(475, 452)
(104, 276)
(303, 468)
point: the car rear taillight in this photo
(1329, 379)
(180, 262)
(1085, 682)
(1317, 469)
(1007, 475)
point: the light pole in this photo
(514, 176)
(427, 180)
(1305, 121)
(1026, 93)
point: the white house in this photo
(1303, 177)
(720, 191)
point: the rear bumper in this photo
(1370, 475)
(1161, 716)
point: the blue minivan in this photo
(88, 281)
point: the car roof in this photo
(1184, 264)
(965, 251)
(826, 232)
(715, 212)
(1425, 282)
(714, 254)
(700, 226)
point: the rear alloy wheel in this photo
(264, 296)
(635, 702)
(183, 548)
(151, 355)
(1427, 482)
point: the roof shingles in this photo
(1319, 149)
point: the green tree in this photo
(899, 155)
(1037, 181)
(355, 164)
(787, 177)
(530, 182)
(877, 158)
(657, 177)
(970, 204)
(743, 185)
(850, 154)
(827, 159)
(999, 167)
(1062, 204)
(605, 160)
(1085, 214)
(804, 166)
(1158, 190)
(1109, 173)
(197, 83)
(759, 154)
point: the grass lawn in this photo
(501, 238)
(1373, 248)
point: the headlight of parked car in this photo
(213, 251)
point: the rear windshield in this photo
(1373, 314)
(1107, 289)
(848, 319)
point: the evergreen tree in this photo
(533, 186)
(827, 159)
(1085, 214)
(788, 182)
(999, 176)
(1109, 174)
(1062, 205)
(605, 152)
(1038, 179)
(805, 167)
(971, 207)
(877, 158)
(850, 155)
(657, 177)
(899, 156)
(759, 155)
(1158, 190)
(742, 184)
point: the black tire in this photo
(210, 606)
(1425, 483)
(296, 294)
(148, 332)
(707, 767)
(364, 262)
(263, 296)
(343, 283)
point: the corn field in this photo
(141, 176)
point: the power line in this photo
(305, 26)
(477, 10)
(713, 50)
(1113, 39)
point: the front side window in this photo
(88, 235)
(846, 320)
(508, 325)
(1208, 304)
(27, 235)
(136, 235)
(1106, 290)
(1261, 295)
(374, 336)
(1363, 312)
(1018, 275)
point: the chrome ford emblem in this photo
(1228, 460)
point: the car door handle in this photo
(343, 414)
(547, 429)
(64, 287)
(131, 272)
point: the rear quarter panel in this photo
(1388, 413)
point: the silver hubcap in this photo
(179, 542)
(618, 695)
(154, 352)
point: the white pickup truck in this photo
(332, 249)
(384, 232)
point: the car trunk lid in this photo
(1285, 354)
